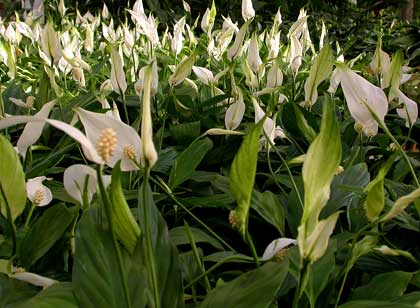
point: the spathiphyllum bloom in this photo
(139, 85)
(276, 247)
(269, 126)
(182, 71)
(119, 84)
(74, 181)
(409, 110)
(49, 43)
(205, 22)
(32, 131)
(274, 76)
(205, 75)
(295, 54)
(178, 38)
(186, 6)
(37, 193)
(150, 155)
(235, 112)
(89, 44)
(380, 62)
(105, 12)
(358, 93)
(62, 8)
(234, 50)
(79, 76)
(248, 11)
(254, 59)
(107, 139)
(113, 140)
(274, 46)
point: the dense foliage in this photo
(244, 162)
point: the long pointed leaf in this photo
(242, 174)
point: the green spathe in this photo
(318, 173)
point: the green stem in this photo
(148, 238)
(168, 191)
(253, 250)
(197, 256)
(296, 296)
(206, 273)
(287, 168)
(346, 272)
(274, 176)
(348, 257)
(107, 206)
(125, 109)
(28, 219)
(388, 133)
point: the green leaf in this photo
(401, 204)
(303, 125)
(57, 295)
(269, 207)
(374, 304)
(12, 181)
(158, 255)
(316, 243)
(318, 275)
(375, 200)
(242, 174)
(228, 256)
(179, 236)
(96, 277)
(320, 70)
(384, 286)
(257, 288)
(46, 231)
(392, 77)
(187, 161)
(185, 133)
(345, 187)
(318, 173)
(14, 292)
(126, 228)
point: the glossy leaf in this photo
(14, 292)
(158, 255)
(374, 304)
(96, 277)
(242, 175)
(269, 207)
(384, 286)
(12, 181)
(256, 288)
(320, 70)
(345, 187)
(185, 164)
(46, 231)
(375, 200)
(179, 236)
(58, 295)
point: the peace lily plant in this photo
(207, 161)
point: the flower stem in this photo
(148, 239)
(107, 206)
(388, 133)
(253, 250)
(168, 191)
(28, 219)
